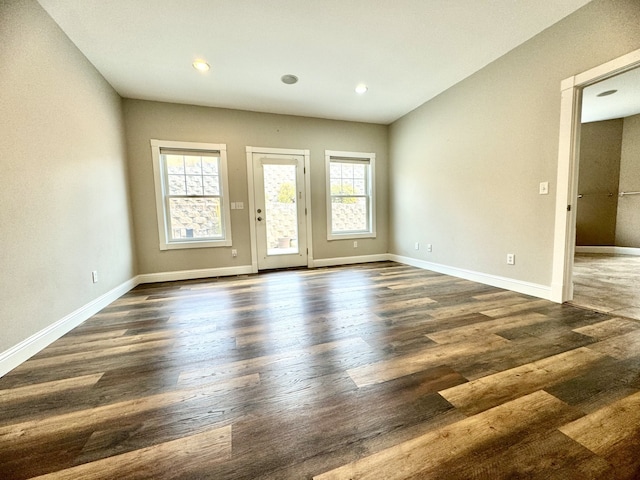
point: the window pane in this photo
(197, 218)
(359, 171)
(335, 170)
(349, 214)
(210, 165)
(347, 186)
(347, 170)
(359, 187)
(175, 163)
(336, 187)
(177, 185)
(193, 165)
(211, 185)
(194, 185)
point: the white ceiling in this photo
(624, 103)
(406, 51)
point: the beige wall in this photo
(238, 129)
(600, 146)
(628, 224)
(467, 164)
(63, 189)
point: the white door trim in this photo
(252, 210)
(567, 177)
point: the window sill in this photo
(350, 236)
(202, 244)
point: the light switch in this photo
(544, 188)
(240, 205)
(233, 205)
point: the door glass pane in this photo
(281, 209)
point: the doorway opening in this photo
(567, 200)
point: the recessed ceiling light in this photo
(607, 93)
(362, 88)
(289, 79)
(201, 65)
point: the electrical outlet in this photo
(94, 276)
(234, 253)
(511, 258)
(417, 246)
(355, 244)
(429, 247)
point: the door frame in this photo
(252, 202)
(564, 243)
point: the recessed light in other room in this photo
(362, 88)
(201, 65)
(607, 93)
(289, 79)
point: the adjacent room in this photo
(318, 240)
(607, 273)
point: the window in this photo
(191, 194)
(350, 195)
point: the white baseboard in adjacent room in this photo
(608, 250)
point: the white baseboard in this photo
(193, 274)
(14, 356)
(24, 350)
(609, 249)
(528, 288)
(331, 262)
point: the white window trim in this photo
(336, 155)
(160, 188)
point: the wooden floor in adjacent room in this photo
(376, 371)
(607, 283)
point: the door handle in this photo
(259, 219)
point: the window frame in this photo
(352, 157)
(162, 197)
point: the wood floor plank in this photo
(167, 460)
(241, 366)
(610, 428)
(475, 305)
(490, 326)
(47, 388)
(609, 328)
(516, 308)
(408, 364)
(418, 456)
(116, 411)
(492, 390)
(621, 346)
(603, 384)
(83, 356)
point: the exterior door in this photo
(279, 210)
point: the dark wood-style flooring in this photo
(376, 371)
